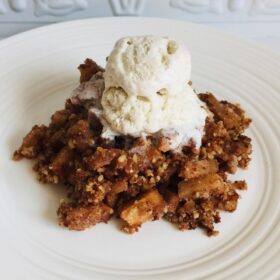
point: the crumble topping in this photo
(139, 179)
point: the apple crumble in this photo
(138, 178)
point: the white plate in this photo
(37, 73)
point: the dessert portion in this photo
(136, 142)
(145, 91)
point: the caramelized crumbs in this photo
(139, 180)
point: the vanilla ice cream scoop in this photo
(147, 91)
(144, 65)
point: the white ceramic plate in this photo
(38, 72)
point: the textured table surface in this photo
(253, 19)
(267, 34)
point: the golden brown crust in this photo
(31, 143)
(139, 180)
(82, 217)
(195, 168)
